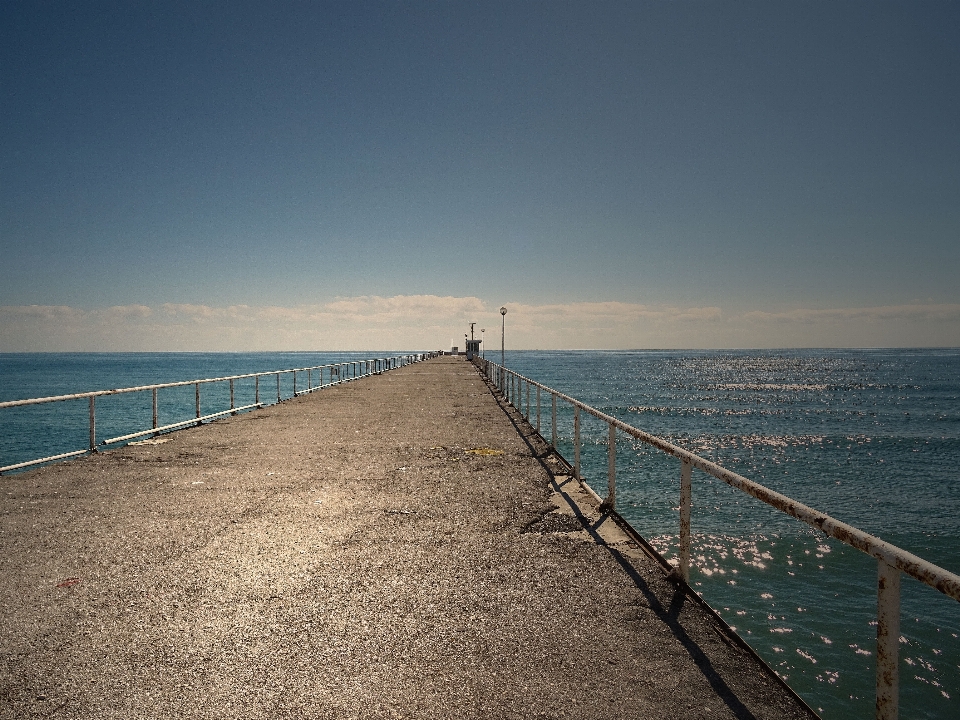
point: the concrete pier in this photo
(399, 546)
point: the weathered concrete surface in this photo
(343, 555)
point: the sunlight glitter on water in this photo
(758, 561)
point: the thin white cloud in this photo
(38, 312)
(404, 306)
(617, 312)
(205, 312)
(919, 312)
(122, 312)
(430, 321)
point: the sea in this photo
(871, 437)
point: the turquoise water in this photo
(870, 436)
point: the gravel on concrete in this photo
(397, 546)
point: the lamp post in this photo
(503, 323)
(483, 348)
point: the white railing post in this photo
(576, 441)
(888, 641)
(538, 409)
(685, 500)
(197, 389)
(93, 423)
(278, 387)
(553, 421)
(612, 467)
(528, 401)
(256, 389)
(155, 414)
(232, 406)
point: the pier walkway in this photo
(398, 546)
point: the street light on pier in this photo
(483, 348)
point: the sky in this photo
(376, 175)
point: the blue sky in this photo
(322, 175)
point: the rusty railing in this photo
(891, 560)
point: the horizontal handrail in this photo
(891, 559)
(178, 383)
(51, 458)
(335, 371)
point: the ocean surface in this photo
(871, 437)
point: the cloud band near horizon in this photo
(423, 322)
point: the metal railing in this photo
(891, 560)
(336, 373)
